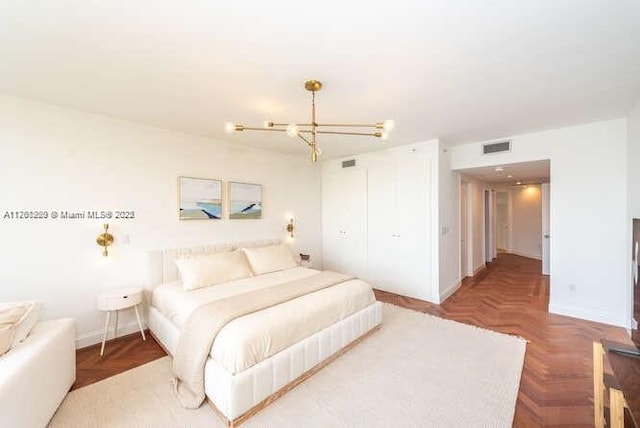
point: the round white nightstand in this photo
(116, 299)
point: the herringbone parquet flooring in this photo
(121, 354)
(510, 296)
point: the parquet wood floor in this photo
(509, 296)
(121, 354)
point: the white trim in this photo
(449, 291)
(479, 268)
(87, 339)
(590, 315)
(527, 255)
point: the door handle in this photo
(547, 236)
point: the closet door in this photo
(397, 224)
(381, 240)
(344, 214)
(410, 232)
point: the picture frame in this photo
(245, 201)
(200, 199)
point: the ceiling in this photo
(458, 70)
(513, 174)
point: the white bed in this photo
(258, 356)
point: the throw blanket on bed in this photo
(200, 330)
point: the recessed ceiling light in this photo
(518, 182)
(499, 169)
(509, 176)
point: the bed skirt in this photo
(236, 395)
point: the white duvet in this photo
(250, 339)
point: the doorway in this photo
(466, 255)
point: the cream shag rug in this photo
(416, 371)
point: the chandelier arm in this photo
(305, 140)
(247, 128)
(367, 134)
(351, 125)
(287, 124)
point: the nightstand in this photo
(116, 299)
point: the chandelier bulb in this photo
(384, 135)
(268, 124)
(388, 126)
(229, 128)
(292, 130)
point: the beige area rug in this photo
(416, 371)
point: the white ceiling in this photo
(460, 70)
(524, 172)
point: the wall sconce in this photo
(290, 228)
(105, 240)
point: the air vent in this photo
(498, 147)
(349, 163)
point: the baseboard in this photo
(527, 255)
(479, 268)
(87, 339)
(449, 291)
(592, 315)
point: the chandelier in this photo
(308, 132)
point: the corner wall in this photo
(589, 268)
(59, 159)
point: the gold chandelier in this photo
(308, 132)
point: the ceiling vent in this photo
(497, 147)
(349, 163)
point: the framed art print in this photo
(245, 201)
(200, 198)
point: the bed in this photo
(258, 357)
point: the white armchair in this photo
(36, 374)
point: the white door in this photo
(464, 226)
(381, 241)
(344, 214)
(546, 229)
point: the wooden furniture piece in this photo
(116, 299)
(623, 387)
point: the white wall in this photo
(59, 159)
(477, 219)
(589, 271)
(526, 222)
(449, 224)
(633, 160)
(633, 181)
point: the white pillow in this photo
(23, 316)
(203, 271)
(270, 258)
(6, 337)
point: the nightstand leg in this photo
(104, 335)
(115, 334)
(139, 323)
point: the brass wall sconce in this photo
(105, 240)
(290, 228)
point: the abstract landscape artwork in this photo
(200, 198)
(245, 201)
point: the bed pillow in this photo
(270, 258)
(20, 317)
(6, 337)
(211, 269)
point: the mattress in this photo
(253, 338)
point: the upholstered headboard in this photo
(161, 266)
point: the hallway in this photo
(510, 296)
